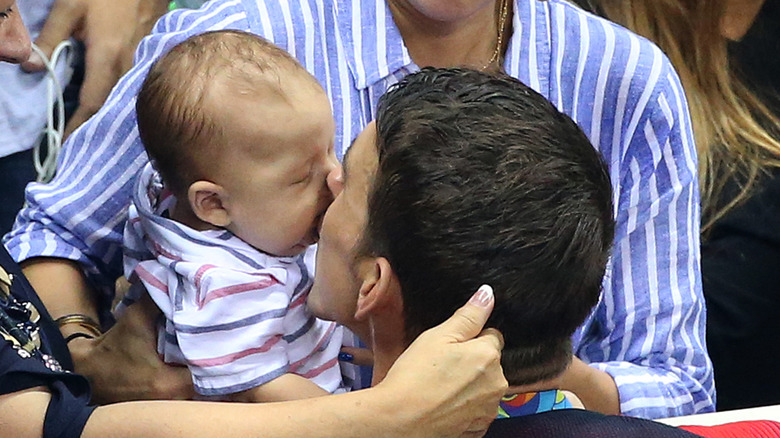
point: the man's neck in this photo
(387, 345)
(465, 41)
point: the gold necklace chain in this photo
(500, 40)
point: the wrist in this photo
(80, 349)
(577, 377)
(406, 418)
(595, 388)
(78, 322)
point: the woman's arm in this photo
(128, 346)
(647, 332)
(447, 383)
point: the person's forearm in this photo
(62, 286)
(63, 289)
(347, 415)
(596, 389)
(285, 387)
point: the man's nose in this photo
(15, 44)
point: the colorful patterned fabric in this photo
(532, 403)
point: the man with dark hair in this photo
(476, 178)
(468, 178)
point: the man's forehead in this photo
(361, 157)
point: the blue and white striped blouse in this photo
(647, 331)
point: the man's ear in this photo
(206, 201)
(379, 288)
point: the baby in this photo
(240, 139)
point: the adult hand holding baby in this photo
(123, 364)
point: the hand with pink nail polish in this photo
(454, 369)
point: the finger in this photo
(141, 318)
(150, 309)
(63, 20)
(357, 356)
(175, 384)
(101, 72)
(467, 322)
(494, 337)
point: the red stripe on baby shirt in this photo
(150, 279)
(232, 357)
(237, 289)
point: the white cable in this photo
(47, 166)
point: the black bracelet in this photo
(73, 336)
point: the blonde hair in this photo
(731, 125)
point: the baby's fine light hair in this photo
(177, 122)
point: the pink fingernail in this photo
(483, 297)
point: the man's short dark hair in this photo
(482, 180)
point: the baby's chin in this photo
(311, 238)
(296, 250)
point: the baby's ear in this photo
(206, 201)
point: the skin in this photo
(370, 303)
(14, 40)
(443, 33)
(268, 185)
(460, 403)
(437, 33)
(110, 31)
(372, 293)
(333, 295)
(738, 17)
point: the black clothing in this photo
(741, 255)
(69, 407)
(16, 170)
(578, 423)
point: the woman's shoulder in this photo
(576, 29)
(633, 71)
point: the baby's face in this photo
(279, 152)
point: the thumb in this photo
(468, 321)
(142, 316)
(62, 22)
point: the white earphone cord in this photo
(47, 166)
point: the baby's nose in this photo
(335, 180)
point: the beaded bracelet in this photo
(82, 320)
